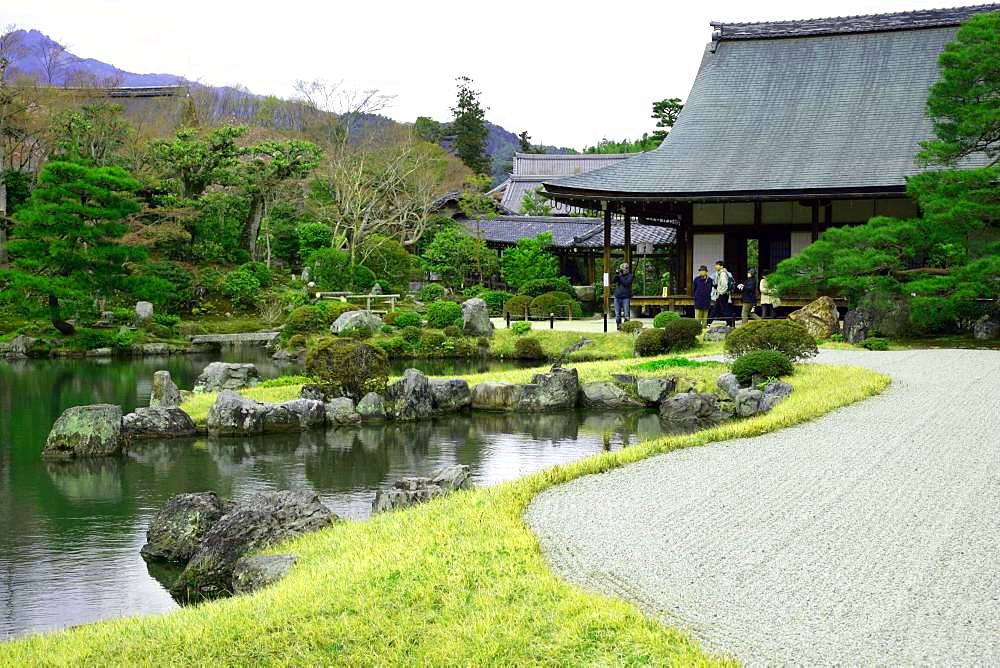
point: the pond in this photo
(70, 533)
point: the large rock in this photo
(157, 423)
(352, 320)
(747, 402)
(143, 311)
(857, 323)
(450, 396)
(86, 431)
(558, 389)
(476, 318)
(654, 390)
(371, 407)
(165, 393)
(175, 532)
(690, 406)
(409, 398)
(260, 570)
(219, 376)
(819, 317)
(340, 410)
(233, 414)
(496, 396)
(584, 293)
(604, 394)
(774, 392)
(413, 490)
(986, 330)
(728, 383)
(717, 330)
(250, 525)
(294, 415)
(20, 346)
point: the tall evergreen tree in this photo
(665, 112)
(469, 129)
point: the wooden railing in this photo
(368, 300)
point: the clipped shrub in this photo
(663, 317)
(528, 348)
(516, 306)
(474, 291)
(360, 333)
(540, 286)
(781, 335)
(166, 320)
(388, 260)
(349, 367)
(387, 329)
(312, 237)
(297, 341)
(520, 327)
(330, 269)
(334, 309)
(362, 278)
(762, 363)
(452, 331)
(440, 314)
(431, 292)
(411, 334)
(651, 342)
(404, 318)
(431, 341)
(630, 327)
(681, 334)
(875, 343)
(394, 346)
(495, 300)
(242, 288)
(556, 303)
(260, 271)
(304, 320)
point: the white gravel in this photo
(868, 536)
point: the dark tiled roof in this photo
(925, 18)
(832, 112)
(567, 232)
(558, 164)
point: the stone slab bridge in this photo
(242, 337)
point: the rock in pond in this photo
(20, 346)
(86, 431)
(450, 396)
(820, 317)
(604, 394)
(157, 423)
(249, 525)
(165, 393)
(413, 490)
(476, 318)
(555, 390)
(340, 410)
(260, 570)
(495, 396)
(352, 320)
(234, 414)
(409, 398)
(690, 406)
(175, 532)
(371, 407)
(219, 376)
(654, 390)
(294, 415)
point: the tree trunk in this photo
(4, 259)
(57, 321)
(252, 228)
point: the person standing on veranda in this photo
(702, 295)
(749, 297)
(724, 285)
(768, 300)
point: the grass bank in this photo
(457, 581)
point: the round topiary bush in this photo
(539, 286)
(403, 318)
(781, 335)
(875, 343)
(528, 348)
(304, 320)
(348, 367)
(762, 363)
(431, 292)
(663, 317)
(554, 303)
(411, 334)
(431, 341)
(630, 327)
(517, 306)
(681, 334)
(441, 314)
(334, 309)
(651, 342)
(495, 300)
(242, 288)
(520, 327)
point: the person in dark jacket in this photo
(749, 296)
(623, 293)
(702, 295)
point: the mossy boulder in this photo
(86, 431)
(175, 532)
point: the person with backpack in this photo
(724, 284)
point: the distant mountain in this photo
(47, 61)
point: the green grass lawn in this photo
(457, 581)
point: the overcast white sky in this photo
(568, 72)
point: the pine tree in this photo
(469, 128)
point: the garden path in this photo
(868, 536)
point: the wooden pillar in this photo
(628, 240)
(815, 220)
(591, 269)
(607, 258)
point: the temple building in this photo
(790, 128)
